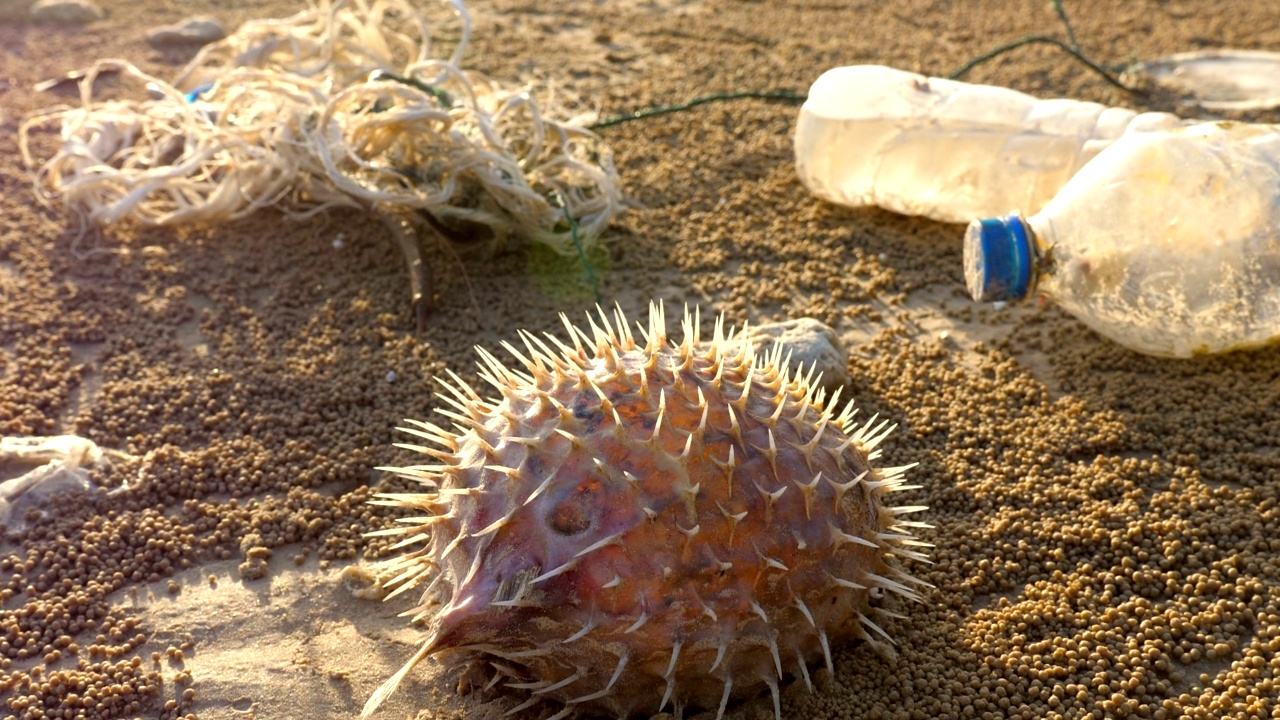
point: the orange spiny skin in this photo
(634, 526)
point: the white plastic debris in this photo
(1167, 243)
(1221, 79)
(56, 465)
(870, 135)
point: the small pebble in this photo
(810, 342)
(194, 31)
(66, 12)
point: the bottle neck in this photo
(1040, 235)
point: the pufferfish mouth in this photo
(477, 615)
(461, 620)
(513, 589)
(520, 574)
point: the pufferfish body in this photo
(629, 527)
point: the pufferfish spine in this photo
(628, 527)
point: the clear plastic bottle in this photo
(947, 150)
(1167, 242)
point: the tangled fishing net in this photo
(344, 104)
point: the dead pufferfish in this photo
(630, 525)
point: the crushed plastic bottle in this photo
(1167, 242)
(947, 150)
(1220, 79)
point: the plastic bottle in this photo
(1167, 242)
(951, 151)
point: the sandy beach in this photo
(1106, 525)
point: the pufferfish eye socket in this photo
(572, 515)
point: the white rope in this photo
(340, 105)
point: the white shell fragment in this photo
(1221, 79)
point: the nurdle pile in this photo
(346, 104)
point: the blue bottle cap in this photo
(997, 259)
(195, 94)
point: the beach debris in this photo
(194, 31)
(876, 136)
(635, 526)
(70, 82)
(347, 104)
(1165, 243)
(49, 466)
(1221, 79)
